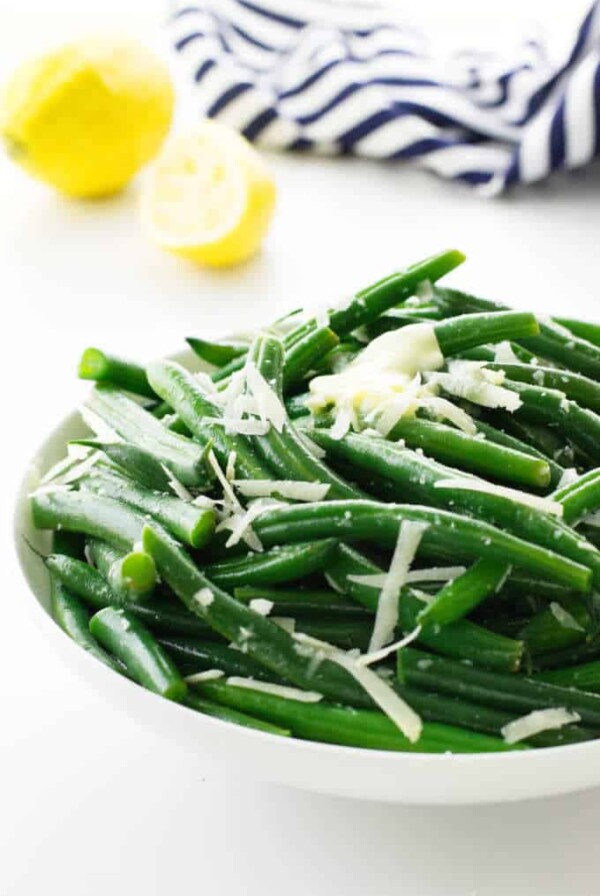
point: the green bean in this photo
(461, 595)
(89, 514)
(348, 634)
(585, 677)
(488, 353)
(197, 655)
(222, 376)
(281, 564)
(507, 692)
(227, 714)
(550, 407)
(544, 632)
(130, 574)
(83, 580)
(301, 601)
(540, 438)
(460, 334)
(451, 446)
(285, 451)
(258, 636)
(70, 614)
(160, 614)
(161, 410)
(456, 334)
(103, 368)
(305, 354)
(519, 584)
(166, 617)
(418, 479)
(216, 353)
(138, 464)
(582, 328)
(401, 317)
(459, 639)
(131, 642)
(581, 389)
(568, 656)
(499, 437)
(192, 524)
(367, 304)
(182, 391)
(353, 728)
(370, 303)
(433, 707)
(378, 524)
(580, 497)
(134, 424)
(552, 343)
(336, 359)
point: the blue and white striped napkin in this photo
(318, 76)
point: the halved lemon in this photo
(209, 196)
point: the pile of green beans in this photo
(190, 557)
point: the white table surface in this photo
(90, 802)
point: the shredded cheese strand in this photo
(386, 617)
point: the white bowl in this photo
(344, 771)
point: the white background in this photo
(89, 802)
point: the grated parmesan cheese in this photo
(104, 432)
(504, 354)
(308, 443)
(286, 488)
(446, 410)
(287, 623)
(206, 675)
(395, 708)
(473, 381)
(564, 618)
(205, 382)
(592, 519)
(342, 423)
(177, 487)
(204, 597)
(270, 408)
(424, 291)
(371, 580)
(368, 659)
(537, 721)
(234, 517)
(569, 477)
(230, 466)
(239, 523)
(435, 574)
(386, 617)
(261, 605)
(242, 426)
(277, 690)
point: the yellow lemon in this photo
(209, 197)
(86, 117)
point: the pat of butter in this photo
(384, 370)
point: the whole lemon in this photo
(86, 117)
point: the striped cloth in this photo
(318, 76)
